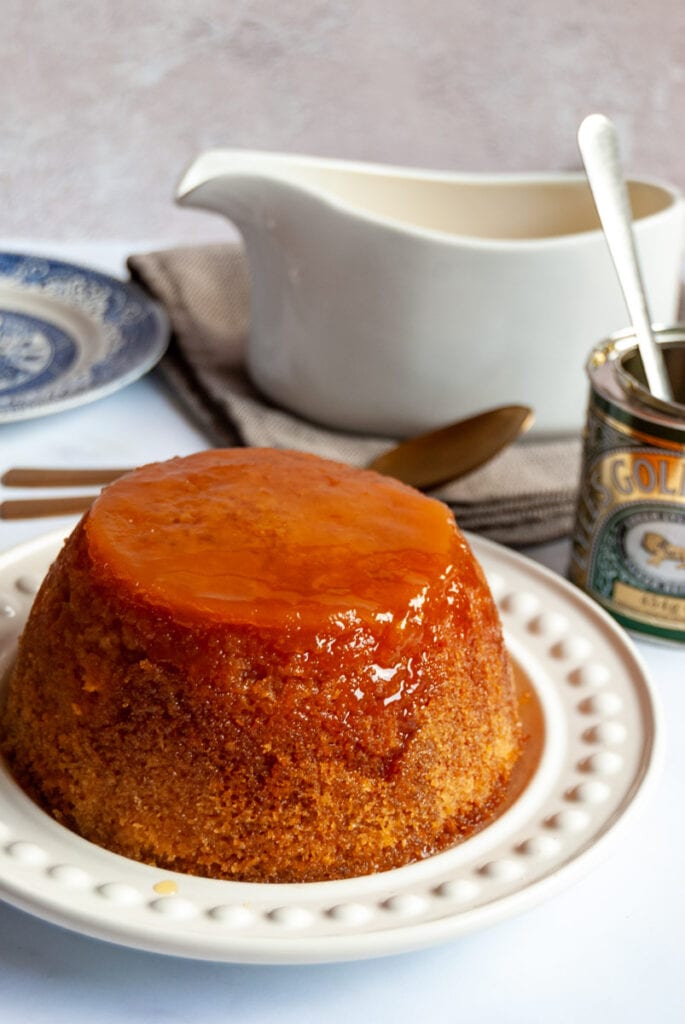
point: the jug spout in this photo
(222, 181)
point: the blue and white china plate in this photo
(70, 335)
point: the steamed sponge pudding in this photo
(260, 665)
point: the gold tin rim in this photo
(619, 349)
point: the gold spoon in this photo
(453, 451)
(423, 462)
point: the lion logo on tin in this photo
(662, 550)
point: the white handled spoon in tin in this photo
(599, 149)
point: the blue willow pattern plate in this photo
(70, 335)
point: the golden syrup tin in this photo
(629, 537)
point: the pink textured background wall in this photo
(105, 103)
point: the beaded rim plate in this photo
(70, 335)
(597, 751)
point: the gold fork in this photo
(31, 508)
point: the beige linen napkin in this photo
(525, 495)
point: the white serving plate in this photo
(591, 760)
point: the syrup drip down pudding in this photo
(260, 665)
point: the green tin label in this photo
(629, 537)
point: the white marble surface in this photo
(106, 103)
(609, 949)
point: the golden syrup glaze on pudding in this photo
(273, 539)
(262, 665)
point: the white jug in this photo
(391, 301)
